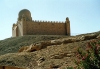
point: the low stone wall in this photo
(9, 67)
(1, 67)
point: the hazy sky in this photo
(84, 15)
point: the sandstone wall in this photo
(9, 67)
(46, 28)
(67, 27)
(1, 67)
(14, 31)
(24, 27)
(17, 29)
(20, 28)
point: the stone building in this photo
(26, 26)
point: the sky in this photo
(84, 15)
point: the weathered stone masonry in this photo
(26, 26)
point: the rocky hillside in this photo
(43, 52)
(12, 45)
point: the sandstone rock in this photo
(56, 42)
(69, 55)
(69, 40)
(56, 56)
(61, 55)
(40, 60)
(23, 48)
(80, 38)
(30, 48)
(98, 36)
(35, 46)
(45, 43)
(90, 36)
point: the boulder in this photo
(56, 42)
(30, 48)
(69, 40)
(45, 43)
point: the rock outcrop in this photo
(71, 39)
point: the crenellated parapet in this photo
(40, 21)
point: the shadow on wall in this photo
(9, 67)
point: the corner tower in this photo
(19, 29)
(23, 17)
(67, 26)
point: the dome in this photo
(25, 12)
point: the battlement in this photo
(40, 21)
